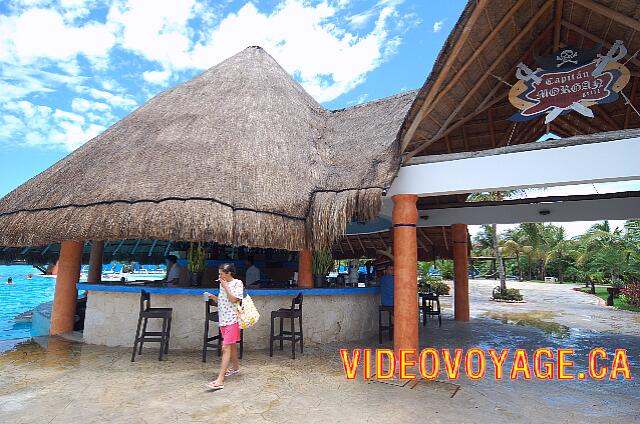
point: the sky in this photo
(69, 69)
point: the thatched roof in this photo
(239, 155)
(463, 105)
(432, 242)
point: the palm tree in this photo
(563, 253)
(532, 235)
(496, 196)
(512, 247)
(606, 250)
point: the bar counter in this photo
(329, 314)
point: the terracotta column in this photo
(66, 294)
(405, 254)
(305, 268)
(95, 262)
(461, 272)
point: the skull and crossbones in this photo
(567, 56)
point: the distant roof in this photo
(238, 155)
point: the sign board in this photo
(571, 80)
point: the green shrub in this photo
(440, 288)
(508, 294)
(433, 284)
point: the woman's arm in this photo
(230, 294)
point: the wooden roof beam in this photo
(457, 125)
(627, 113)
(586, 34)
(524, 31)
(610, 13)
(153, 245)
(557, 25)
(446, 241)
(350, 246)
(488, 102)
(426, 237)
(435, 93)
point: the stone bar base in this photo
(111, 318)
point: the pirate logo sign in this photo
(571, 80)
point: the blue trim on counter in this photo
(199, 291)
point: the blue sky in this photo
(71, 68)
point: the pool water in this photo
(20, 297)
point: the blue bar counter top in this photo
(198, 291)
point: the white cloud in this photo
(61, 115)
(125, 101)
(25, 41)
(157, 30)
(303, 39)
(38, 125)
(437, 26)
(156, 77)
(82, 105)
(311, 40)
(361, 19)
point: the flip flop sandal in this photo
(214, 387)
(231, 372)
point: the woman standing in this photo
(230, 295)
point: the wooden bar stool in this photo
(162, 336)
(389, 326)
(292, 335)
(430, 307)
(214, 342)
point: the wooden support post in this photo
(305, 269)
(405, 254)
(95, 262)
(461, 272)
(66, 293)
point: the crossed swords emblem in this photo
(615, 53)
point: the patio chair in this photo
(389, 326)
(162, 336)
(290, 335)
(430, 306)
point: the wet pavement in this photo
(55, 380)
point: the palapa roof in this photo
(463, 105)
(239, 155)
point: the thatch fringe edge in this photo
(195, 220)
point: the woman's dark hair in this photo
(230, 268)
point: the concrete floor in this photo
(70, 382)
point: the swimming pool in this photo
(20, 297)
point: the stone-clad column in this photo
(461, 272)
(305, 268)
(405, 254)
(95, 262)
(66, 294)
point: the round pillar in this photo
(66, 294)
(305, 269)
(95, 262)
(461, 272)
(405, 258)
